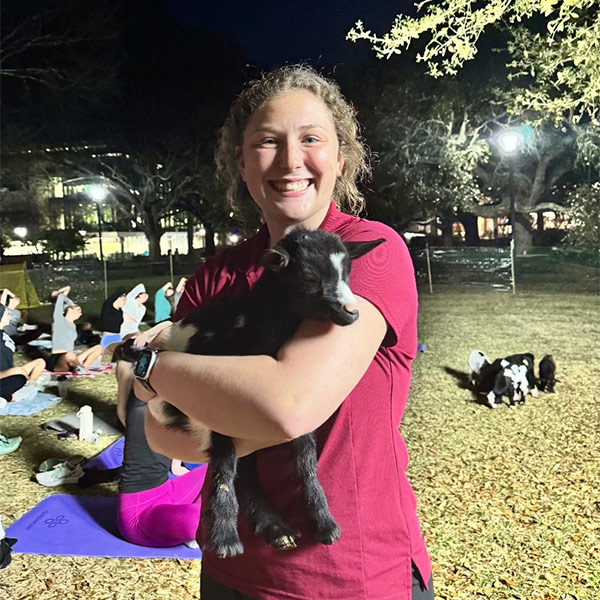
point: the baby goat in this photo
(306, 276)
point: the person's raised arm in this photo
(263, 398)
(59, 307)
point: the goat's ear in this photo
(358, 249)
(275, 259)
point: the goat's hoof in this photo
(329, 534)
(228, 550)
(284, 542)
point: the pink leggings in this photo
(167, 515)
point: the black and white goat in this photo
(512, 376)
(306, 276)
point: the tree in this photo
(62, 241)
(427, 149)
(583, 232)
(559, 69)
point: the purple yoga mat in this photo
(81, 526)
(112, 457)
(109, 458)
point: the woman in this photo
(64, 335)
(12, 378)
(133, 310)
(111, 317)
(154, 510)
(293, 140)
(163, 302)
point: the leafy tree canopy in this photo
(557, 70)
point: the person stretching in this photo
(154, 510)
(134, 310)
(64, 334)
(14, 378)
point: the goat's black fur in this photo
(299, 281)
(547, 372)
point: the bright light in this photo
(511, 140)
(96, 192)
(20, 231)
(234, 238)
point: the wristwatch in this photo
(143, 366)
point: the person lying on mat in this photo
(64, 335)
(154, 510)
(12, 378)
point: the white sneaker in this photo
(61, 474)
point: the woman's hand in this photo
(156, 334)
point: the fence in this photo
(476, 268)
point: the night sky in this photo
(275, 32)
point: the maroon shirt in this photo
(362, 456)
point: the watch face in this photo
(142, 364)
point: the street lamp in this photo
(510, 142)
(98, 193)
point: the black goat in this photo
(547, 371)
(306, 276)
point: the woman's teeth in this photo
(291, 186)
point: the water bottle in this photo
(63, 387)
(86, 422)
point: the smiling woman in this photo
(293, 140)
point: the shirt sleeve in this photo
(385, 277)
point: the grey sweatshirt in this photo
(64, 333)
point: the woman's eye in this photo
(311, 139)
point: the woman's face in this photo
(141, 298)
(73, 313)
(290, 159)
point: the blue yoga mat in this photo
(30, 406)
(68, 525)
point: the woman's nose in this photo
(290, 157)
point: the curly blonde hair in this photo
(259, 92)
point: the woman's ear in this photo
(340, 164)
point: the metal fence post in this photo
(428, 268)
(512, 265)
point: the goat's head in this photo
(313, 268)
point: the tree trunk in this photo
(446, 226)
(523, 233)
(190, 234)
(153, 233)
(209, 239)
(469, 221)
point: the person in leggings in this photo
(154, 510)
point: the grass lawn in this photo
(509, 499)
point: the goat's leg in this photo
(223, 538)
(257, 511)
(305, 450)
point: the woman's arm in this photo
(263, 398)
(177, 444)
